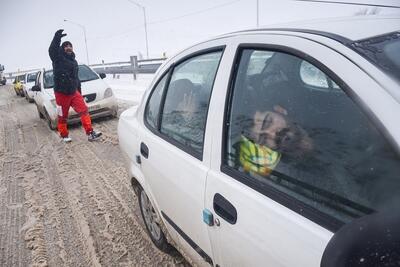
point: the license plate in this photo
(94, 107)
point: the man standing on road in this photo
(67, 87)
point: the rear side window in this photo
(295, 136)
(186, 102)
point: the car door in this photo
(174, 148)
(294, 156)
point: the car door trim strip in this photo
(188, 240)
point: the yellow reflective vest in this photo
(257, 158)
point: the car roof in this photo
(342, 29)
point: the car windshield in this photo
(85, 74)
(383, 51)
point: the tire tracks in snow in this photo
(67, 204)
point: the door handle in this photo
(224, 208)
(144, 150)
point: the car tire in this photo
(152, 222)
(52, 125)
(39, 113)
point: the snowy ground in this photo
(128, 90)
(69, 204)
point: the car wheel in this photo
(52, 125)
(39, 113)
(152, 222)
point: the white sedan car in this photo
(97, 94)
(255, 148)
(30, 80)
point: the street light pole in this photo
(145, 25)
(84, 34)
(257, 12)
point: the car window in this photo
(315, 146)
(153, 105)
(315, 78)
(187, 98)
(86, 74)
(31, 77)
(383, 51)
(48, 79)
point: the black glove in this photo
(60, 34)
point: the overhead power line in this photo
(348, 3)
(167, 19)
(195, 12)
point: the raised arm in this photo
(54, 49)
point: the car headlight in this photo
(53, 102)
(108, 93)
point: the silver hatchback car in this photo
(274, 147)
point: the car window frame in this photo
(324, 220)
(169, 71)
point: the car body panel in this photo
(266, 232)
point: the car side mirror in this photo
(371, 240)
(35, 88)
(102, 75)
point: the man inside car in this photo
(272, 136)
(67, 87)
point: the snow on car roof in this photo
(352, 28)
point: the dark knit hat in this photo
(64, 44)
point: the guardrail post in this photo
(134, 64)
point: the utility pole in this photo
(257, 13)
(145, 25)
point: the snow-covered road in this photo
(67, 204)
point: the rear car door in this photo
(294, 155)
(174, 148)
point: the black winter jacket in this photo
(65, 69)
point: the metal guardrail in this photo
(133, 66)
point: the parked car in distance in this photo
(19, 82)
(3, 79)
(30, 79)
(98, 96)
(256, 147)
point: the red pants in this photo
(64, 102)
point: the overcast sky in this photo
(115, 27)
